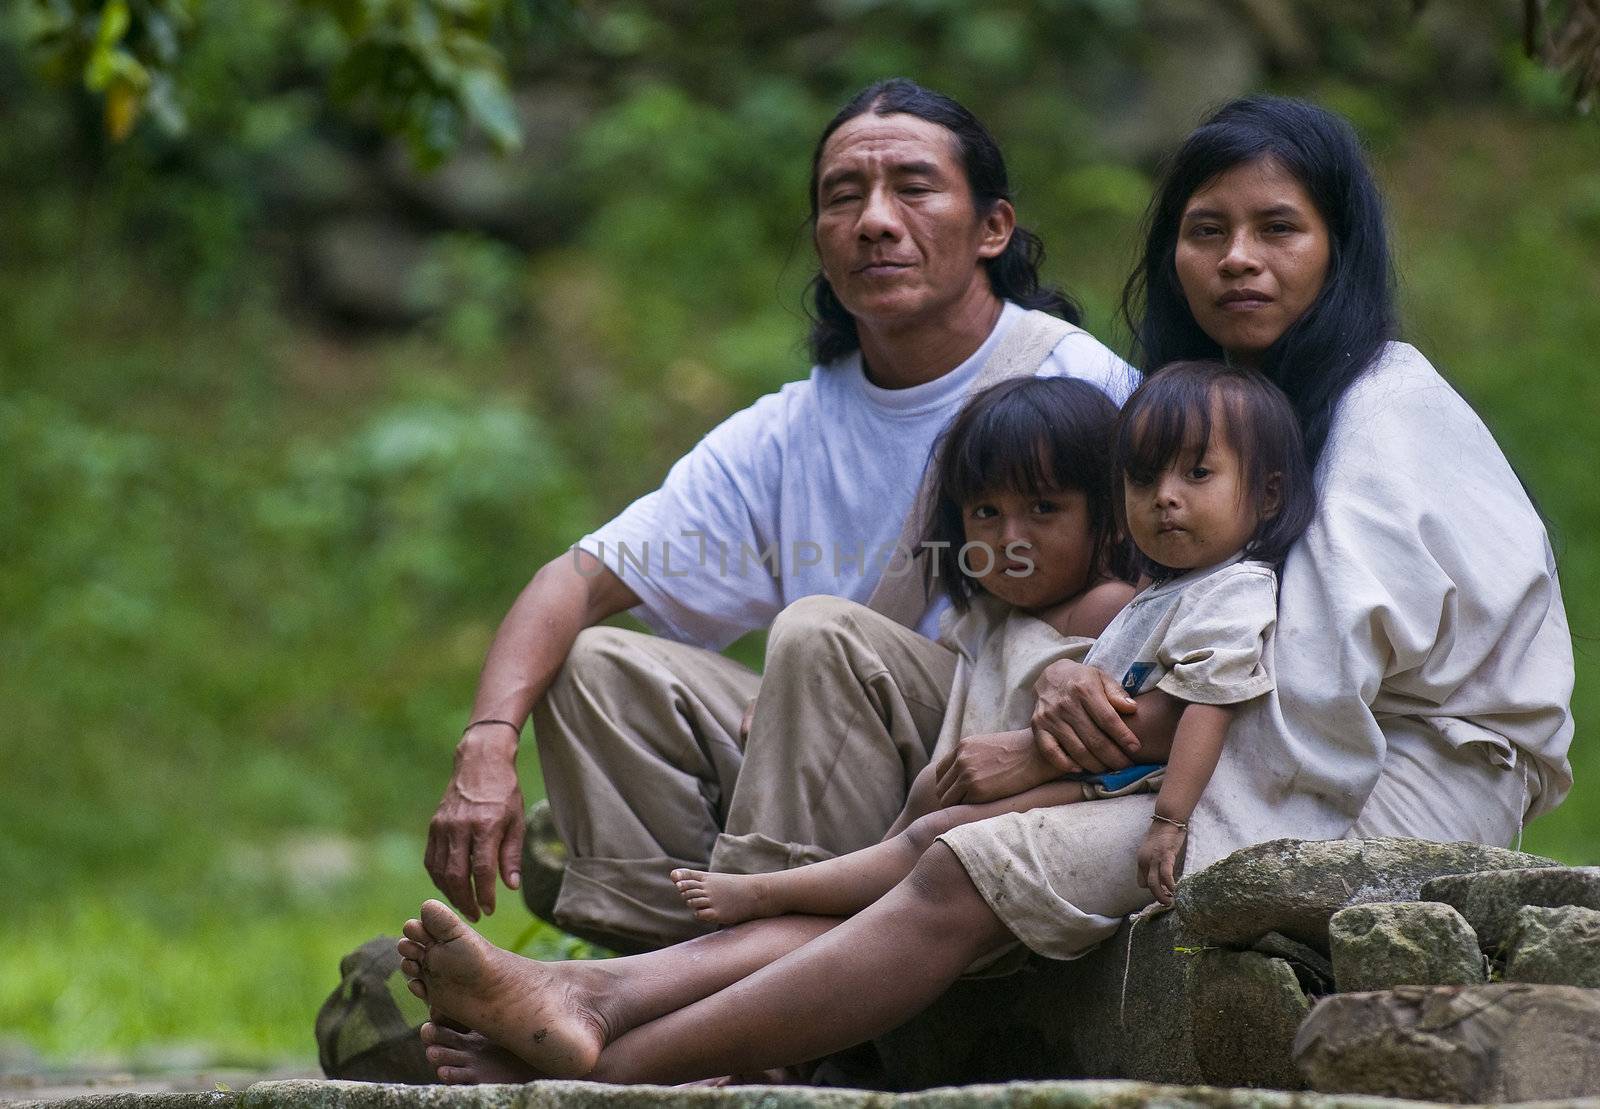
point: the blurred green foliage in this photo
(427, 68)
(251, 556)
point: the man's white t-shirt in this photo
(804, 492)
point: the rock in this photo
(532, 197)
(1490, 1044)
(1311, 967)
(364, 268)
(589, 1095)
(1118, 1012)
(1560, 946)
(544, 864)
(1244, 1009)
(1294, 886)
(217, 1099)
(1490, 900)
(313, 176)
(1199, 54)
(1405, 943)
(367, 1028)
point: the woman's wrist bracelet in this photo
(514, 727)
(1181, 825)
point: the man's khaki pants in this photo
(639, 742)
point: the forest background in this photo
(323, 324)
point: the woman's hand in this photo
(1158, 860)
(1077, 723)
(991, 766)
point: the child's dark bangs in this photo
(1169, 422)
(1007, 449)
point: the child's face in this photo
(1043, 547)
(1194, 513)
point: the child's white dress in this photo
(1000, 653)
(1061, 878)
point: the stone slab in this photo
(1295, 886)
(585, 1095)
(1492, 1044)
(1490, 899)
(1559, 946)
(126, 1099)
(1404, 943)
(1115, 1013)
(1244, 1009)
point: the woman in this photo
(1424, 670)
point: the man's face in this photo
(896, 232)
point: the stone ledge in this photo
(124, 1099)
(1101, 1094)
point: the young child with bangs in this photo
(1037, 481)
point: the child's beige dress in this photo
(1062, 877)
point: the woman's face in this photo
(1251, 256)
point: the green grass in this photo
(248, 571)
(226, 966)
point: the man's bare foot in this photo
(726, 898)
(471, 1058)
(533, 1010)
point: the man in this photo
(658, 753)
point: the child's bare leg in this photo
(849, 883)
(921, 799)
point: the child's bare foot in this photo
(725, 898)
(533, 1010)
(471, 1058)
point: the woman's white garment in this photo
(1423, 665)
(1423, 660)
(1060, 878)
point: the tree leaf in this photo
(123, 101)
(114, 23)
(489, 105)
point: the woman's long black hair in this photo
(1013, 274)
(1326, 349)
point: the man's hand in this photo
(1077, 722)
(1158, 860)
(989, 767)
(477, 830)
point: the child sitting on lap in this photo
(1214, 489)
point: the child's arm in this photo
(1196, 746)
(1087, 614)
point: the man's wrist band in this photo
(514, 727)
(1181, 825)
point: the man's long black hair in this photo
(1013, 275)
(1326, 349)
